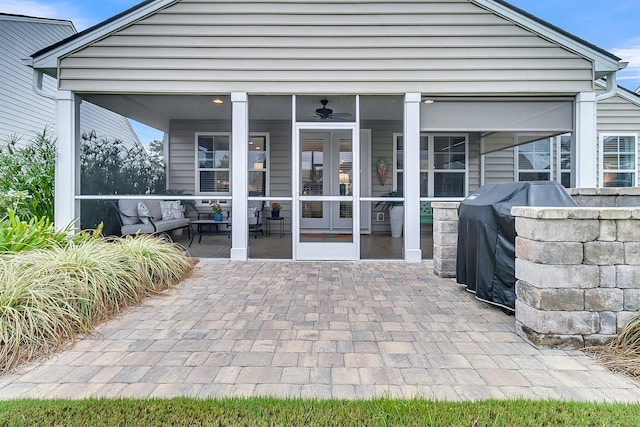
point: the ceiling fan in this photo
(325, 113)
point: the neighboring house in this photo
(328, 106)
(24, 113)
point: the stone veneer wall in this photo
(577, 273)
(606, 197)
(577, 269)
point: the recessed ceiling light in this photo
(217, 101)
(429, 101)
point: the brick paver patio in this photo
(315, 329)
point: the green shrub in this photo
(19, 236)
(47, 296)
(27, 177)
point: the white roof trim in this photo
(622, 93)
(50, 58)
(603, 64)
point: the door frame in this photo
(326, 250)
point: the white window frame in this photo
(431, 170)
(517, 170)
(267, 163)
(198, 169)
(558, 163)
(601, 139)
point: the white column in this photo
(67, 169)
(411, 132)
(585, 141)
(239, 175)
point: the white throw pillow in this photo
(143, 213)
(166, 210)
(177, 209)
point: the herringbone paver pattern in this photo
(315, 329)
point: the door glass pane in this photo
(312, 209)
(345, 168)
(312, 167)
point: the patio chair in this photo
(253, 217)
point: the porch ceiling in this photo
(157, 111)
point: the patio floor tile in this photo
(320, 330)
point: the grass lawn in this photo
(299, 412)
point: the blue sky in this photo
(612, 25)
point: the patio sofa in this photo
(146, 216)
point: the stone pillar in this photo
(445, 238)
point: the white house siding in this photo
(24, 113)
(432, 47)
(182, 152)
(620, 115)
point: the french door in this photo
(327, 187)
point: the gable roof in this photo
(15, 17)
(604, 62)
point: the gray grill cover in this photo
(487, 234)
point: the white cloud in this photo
(630, 76)
(56, 10)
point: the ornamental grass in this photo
(50, 296)
(622, 352)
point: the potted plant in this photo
(396, 212)
(216, 208)
(275, 209)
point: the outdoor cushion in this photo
(130, 209)
(167, 225)
(177, 209)
(136, 228)
(143, 213)
(252, 216)
(154, 209)
(165, 209)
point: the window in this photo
(450, 166)
(533, 161)
(213, 162)
(213, 169)
(258, 164)
(618, 159)
(564, 160)
(443, 165)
